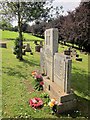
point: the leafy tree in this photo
(73, 28)
(24, 12)
(5, 25)
(53, 20)
(15, 28)
(76, 26)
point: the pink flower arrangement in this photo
(38, 77)
(39, 80)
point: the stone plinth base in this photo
(67, 106)
(68, 100)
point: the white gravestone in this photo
(57, 68)
(51, 47)
(62, 72)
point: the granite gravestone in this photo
(51, 47)
(57, 68)
(62, 72)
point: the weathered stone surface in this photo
(62, 71)
(67, 97)
(27, 48)
(73, 52)
(52, 89)
(49, 67)
(56, 92)
(51, 47)
(51, 40)
(66, 106)
(57, 68)
(42, 61)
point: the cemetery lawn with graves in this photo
(17, 81)
(13, 35)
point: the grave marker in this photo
(57, 68)
(62, 72)
(51, 47)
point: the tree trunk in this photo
(20, 33)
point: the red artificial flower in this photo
(41, 83)
(36, 102)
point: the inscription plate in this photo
(62, 72)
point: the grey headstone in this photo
(62, 72)
(57, 68)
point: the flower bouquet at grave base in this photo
(38, 77)
(36, 102)
(39, 86)
(34, 73)
(39, 82)
(53, 105)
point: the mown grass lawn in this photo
(80, 73)
(12, 35)
(15, 74)
(15, 94)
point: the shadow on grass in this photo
(31, 63)
(83, 105)
(80, 111)
(13, 72)
(68, 45)
(80, 81)
(18, 70)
